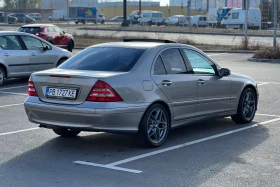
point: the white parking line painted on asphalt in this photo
(269, 115)
(14, 93)
(4, 106)
(264, 83)
(19, 131)
(217, 54)
(259, 82)
(114, 164)
(13, 87)
(106, 166)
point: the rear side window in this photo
(30, 29)
(159, 68)
(104, 59)
(10, 43)
(173, 61)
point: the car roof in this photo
(38, 25)
(140, 45)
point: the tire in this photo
(194, 25)
(245, 114)
(158, 130)
(66, 132)
(102, 22)
(83, 22)
(70, 45)
(2, 76)
(77, 23)
(61, 61)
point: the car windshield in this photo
(30, 29)
(104, 59)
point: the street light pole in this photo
(140, 5)
(246, 20)
(67, 12)
(124, 23)
(274, 25)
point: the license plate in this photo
(61, 93)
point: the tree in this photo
(22, 4)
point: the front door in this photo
(39, 58)
(171, 76)
(214, 92)
(14, 56)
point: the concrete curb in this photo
(229, 51)
(263, 60)
(174, 32)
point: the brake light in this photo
(31, 88)
(103, 92)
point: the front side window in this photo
(235, 15)
(173, 61)
(32, 43)
(50, 29)
(10, 43)
(104, 59)
(199, 63)
(57, 29)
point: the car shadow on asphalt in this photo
(105, 148)
(15, 82)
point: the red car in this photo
(51, 33)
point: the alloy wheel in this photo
(157, 125)
(249, 105)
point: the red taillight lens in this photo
(103, 92)
(31, 88)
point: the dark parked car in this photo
(7, 19)
(51, 33)
(22, 18)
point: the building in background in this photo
(206, 4)
(62, 4)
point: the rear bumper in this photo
(83, 117)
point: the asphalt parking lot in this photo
(210, 153)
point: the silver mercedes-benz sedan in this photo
(22, 54)
(145, 88)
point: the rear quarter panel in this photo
(137, 87)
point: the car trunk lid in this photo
(67, 86)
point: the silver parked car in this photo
(145, 88)
(22, 54)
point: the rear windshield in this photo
(30, 29)
(104, 59)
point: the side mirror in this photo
(45, 48)
(224, 72)
(64, 32)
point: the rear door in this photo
(214, 92)
(171, 76)
(39, 58)
(14, 55)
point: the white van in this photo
(236, 18)
(197, 21)
(177, 20)
(151, 18)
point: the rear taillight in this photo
(103, 92)
(31, 88)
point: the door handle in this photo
(166, 83)
(201, 82)
(33, 54)
(6, 54)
